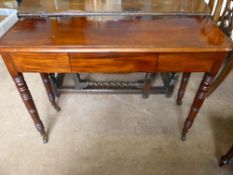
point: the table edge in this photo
(93, 49)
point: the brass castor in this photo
(183, 137)
(56, 107)
(45, 138)
(224, 161)
(179, 102)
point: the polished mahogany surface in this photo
(108, 7)
(139, 34)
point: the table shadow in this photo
(222, 129)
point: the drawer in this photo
(41, 62)
(186, 62)
(113, 62)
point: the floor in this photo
(114, 134)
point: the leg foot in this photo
(40, 128)
(226, 159)
(45, 138)
(56, 107)
(179, 103)
(183, 137)
(223, 162)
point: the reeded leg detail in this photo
(197, 103)
(226, 159)
(183, 85)
(148, 80)
(29, 103)
(48, 87)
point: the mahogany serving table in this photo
(114, 45)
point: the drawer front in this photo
(187, 62)
(113, 62)
(41, 62)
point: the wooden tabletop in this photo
(107, 7)
(82, 34)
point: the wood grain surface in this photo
(163, 34)
(41, 62)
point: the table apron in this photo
(116, 62)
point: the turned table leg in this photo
(48, 87)
(29, 103)
(197, 103)
(226, 159)
(183, 85)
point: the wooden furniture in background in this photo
(226, 25)
(216, 7)
(74, 45)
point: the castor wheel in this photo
(179, 102)
(183, 137)
(45, 138)
(224, 161)
(57, 108)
